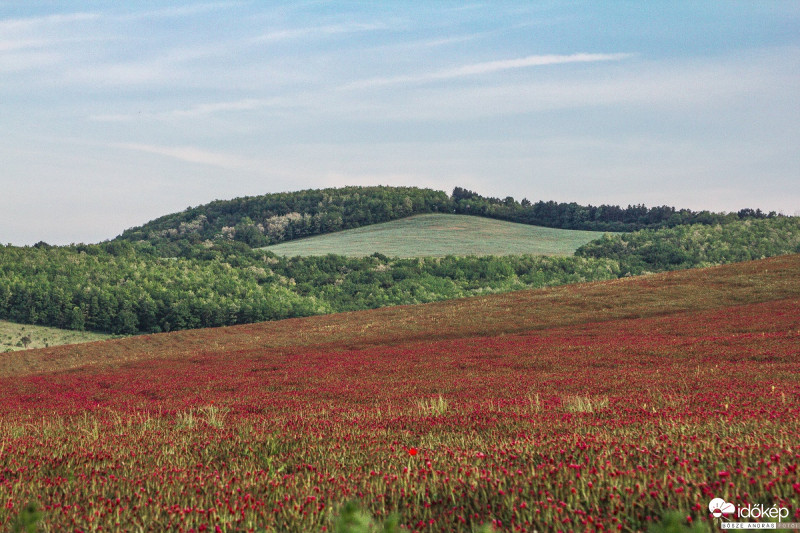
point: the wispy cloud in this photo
(21, 35)
(192, 154)
(668, 87)
(247, 104)
(489, 67)
(200, 110)
(167, 67)
(447, 40)
(25, 60)
(422, 44)
(21, 44)
(32, 23)
(179, 11)
(318, 31)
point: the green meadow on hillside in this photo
(438, 235)
(13, 336)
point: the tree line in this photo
(611, 218)
(123, 287)
(128, 288)
(273, 218)
(696, 245)
(259, 221)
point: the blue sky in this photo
(114, 113)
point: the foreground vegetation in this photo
(586, 407)
(439, 236)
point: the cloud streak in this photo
(21, 44)
(178, 11)
(197, 111)
(34, 42)
(488, 67)
(192, 154)
(34, 23)
(317, 31)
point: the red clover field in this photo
(591, 407)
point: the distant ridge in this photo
(258, 221)
(273, 218)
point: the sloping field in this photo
(587, 407)
(638, 297)
(441, 235)
(13, 336)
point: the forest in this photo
(259, 221)
(125, 288)
(128, 289)
(588, 217)
(273, 218)
(696, 245)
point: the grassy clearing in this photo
(24, 336)
(440, 235)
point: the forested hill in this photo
(121, 287)
(274, 218)
(589, 217)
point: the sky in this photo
(115, 113)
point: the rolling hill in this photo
(269, 219)
(127, 288)
(273, 218)
(601, 404)
(438, 235)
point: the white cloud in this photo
(25, 60)
(178, 11)
(489, 67)
(36, 23)
(444, 41)
(175, 67)
(415, 46)
(200, 110)
(318, 31)
(21, 44)
(530, 61)
(703, 87)
(246, 104)
(36, 42)
(192, 154)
